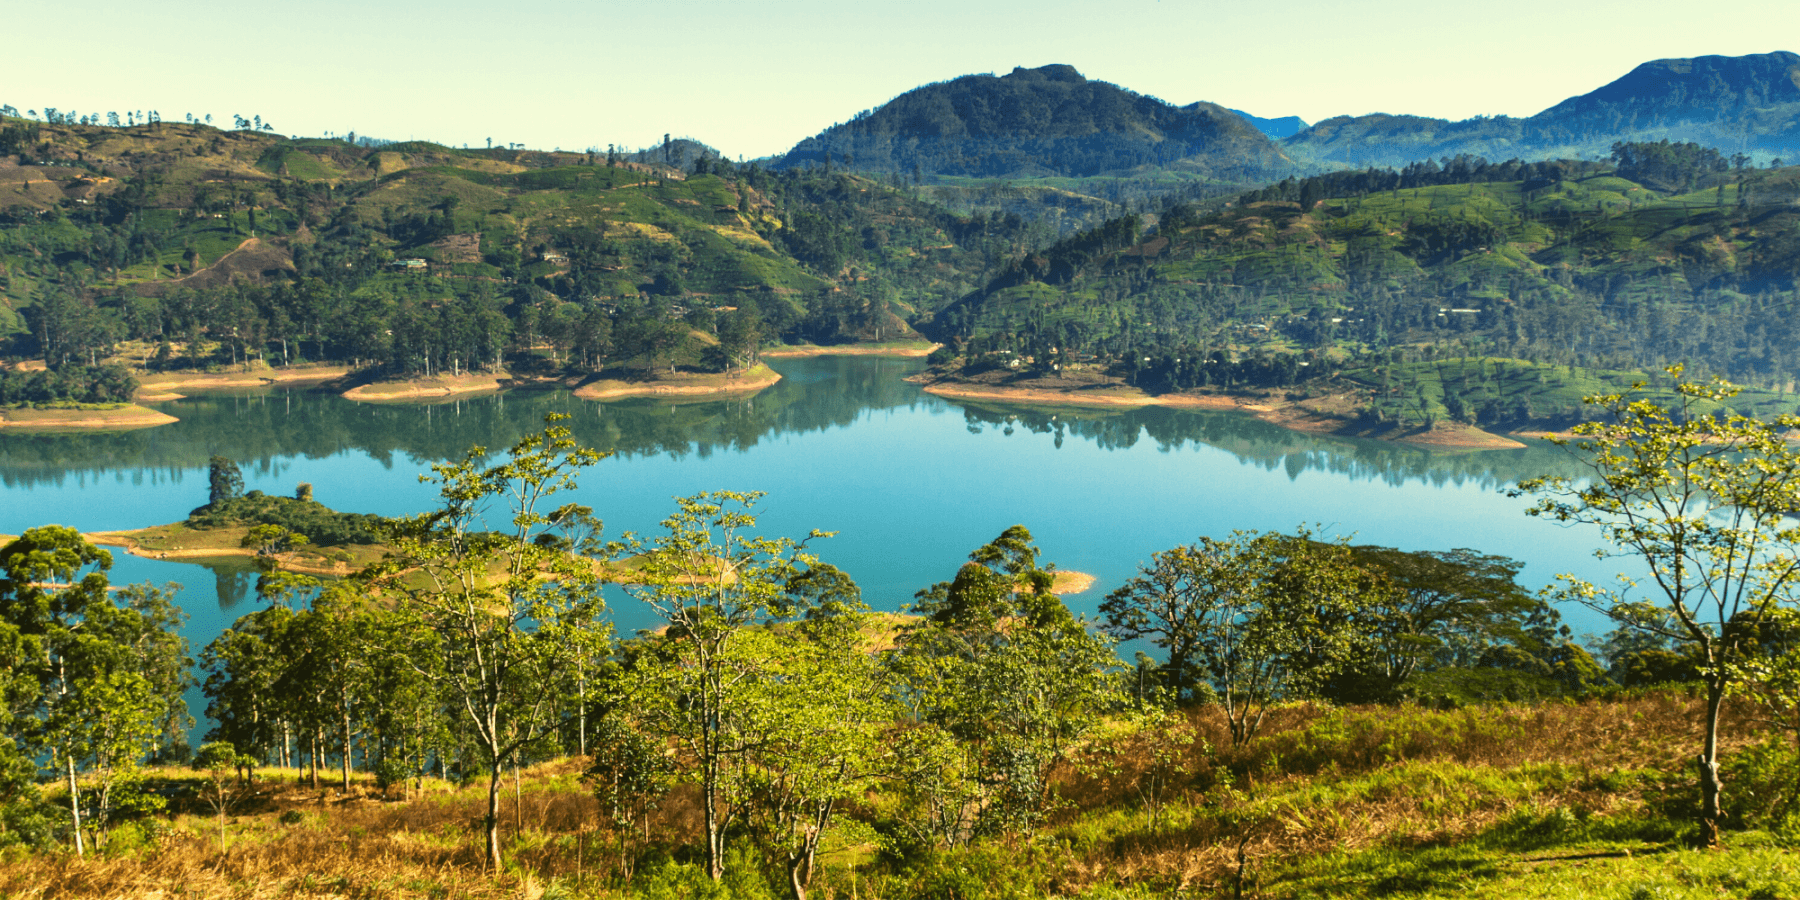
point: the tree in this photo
(1258, 617)
(109, 670)
(714, 582)
(819, 713)
(629, 775)
(245, 667)
(220, 761)
(1702, 501)
(1002, 668)
(224, 481)
(509, 607)
(1429, 609)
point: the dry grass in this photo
(1319, 784)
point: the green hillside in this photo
(1669, 254)
(417, 256)
(1045, 122)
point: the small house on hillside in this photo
(409, 263)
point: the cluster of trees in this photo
(91, 685)
(67, 384)
(1460, 169)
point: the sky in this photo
(753, 77)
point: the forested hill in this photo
(1049, 121)
(412, 256)
(1667, 254)
(1744, 103)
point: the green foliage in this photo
(316, 522)
(1002, 683)
(225, 482)
(97, 680)
(499, 616)
(1703, 502)
(67, 384)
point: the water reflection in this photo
(1272, 447)
(263, 429)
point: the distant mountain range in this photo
(1734, 103)
(1053, 121)
(1286, 126)
(1050, 121)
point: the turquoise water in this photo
(910, 482)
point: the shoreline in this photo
(123, 417)
(1283, 414)
(904, 351)
(162, 387)
(1068, 583)
(426, 389)
(755, 378)
(127, 541)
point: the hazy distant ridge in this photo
(1738, 104)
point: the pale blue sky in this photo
(752, 78)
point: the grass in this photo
(1559, 799)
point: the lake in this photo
(910, 482)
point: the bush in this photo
(1763, 787)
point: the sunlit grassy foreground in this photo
(1580, 799)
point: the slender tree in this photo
(1703, 501)
(510, 599)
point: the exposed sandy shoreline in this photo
(164, 386)
(754, 379)
(127, 416)
(433, 388)
(899, 350)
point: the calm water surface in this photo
(910, 482)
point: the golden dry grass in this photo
(1318, 782)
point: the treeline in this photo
(66, 384)
(1460, 169)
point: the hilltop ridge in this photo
(1048, 121)
(1737, 104)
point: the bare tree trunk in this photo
(493, 816)
(344, 765)
(715, 833)
(74, 804)
(1710, 786)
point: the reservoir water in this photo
(909, 481)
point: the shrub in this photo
(1764, 787)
